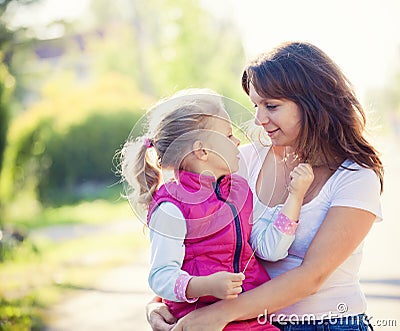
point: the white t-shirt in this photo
(356, 189)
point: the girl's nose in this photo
(237, 141)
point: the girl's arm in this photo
(167, 233)
(301, 178)
(166, 278)
(271, 240)
(222, 285)
(343, 229)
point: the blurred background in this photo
(75, 78)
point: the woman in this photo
(307, 107)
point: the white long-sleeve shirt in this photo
(270, 238)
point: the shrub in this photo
(69, 138)
(83, 155)
(20, 314)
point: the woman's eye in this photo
(267, 106)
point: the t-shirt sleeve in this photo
(358, 189)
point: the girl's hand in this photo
(225, 285)
(158, 316)
(301, 178)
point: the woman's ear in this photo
(199, 150)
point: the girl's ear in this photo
(199, 150)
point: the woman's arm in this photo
(343, 229)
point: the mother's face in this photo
(280, 118)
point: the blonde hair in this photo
(173, 127)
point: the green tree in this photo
(7, 36)
(6, 87)
(172, 44)
(67, 140)
(7, 82)
(158, 45)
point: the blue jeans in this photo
(349, 323)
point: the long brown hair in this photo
(332, 119)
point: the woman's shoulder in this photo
(352, 174)
(356, 186)
(353, 169)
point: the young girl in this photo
(202, 237)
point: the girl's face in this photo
(222, 146)
(280, 118)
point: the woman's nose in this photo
(261, 117)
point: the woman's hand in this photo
(201, 319)
(158, 315)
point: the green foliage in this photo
(81, 107)
(20, 314)
(6, 35)
(16, 244)
(70, 137)
(32, 282)
(6, 87)
(65, 141)
(169, 45)
(87, 212)
(195, 48)
(83, 153)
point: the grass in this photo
(98, 211)
(26, 213)
(41, 272)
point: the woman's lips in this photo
(271, 132)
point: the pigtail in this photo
(140, 171)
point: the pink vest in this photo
(219, 221)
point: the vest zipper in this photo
(236, 257)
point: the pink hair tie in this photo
(148, 143)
